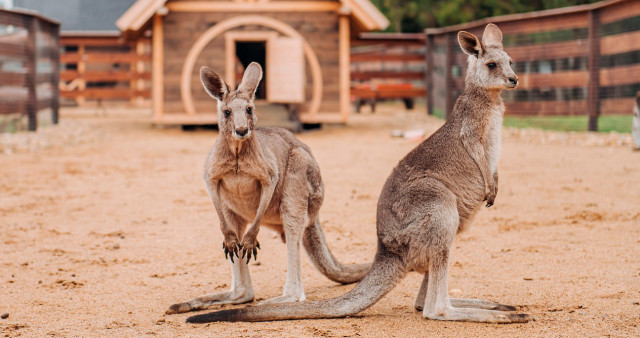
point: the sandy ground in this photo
(99, 238)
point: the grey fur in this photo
(263, 176)
(431, 195)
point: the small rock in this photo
(4, 316)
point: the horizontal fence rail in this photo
(29, 65)
(581, 60)
(101, 67)
(386, 66)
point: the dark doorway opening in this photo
(247, 52)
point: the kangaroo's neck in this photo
(484, 96)
(479, 104)
(234, 148)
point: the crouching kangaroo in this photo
(432, 194)
(262, 176)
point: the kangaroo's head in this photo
(236, 112)
(489, 66)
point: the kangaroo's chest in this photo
(240, 185)
(492, 137)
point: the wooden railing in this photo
(387, 66)
(101, 67)
(581, 60)
(29, 65)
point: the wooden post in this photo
(429, 73)
(593, 99)
(140, 68)
(448, 76)
(55, 73)
(82, 68)
(32, 97)
(157, 76)
(345, 68)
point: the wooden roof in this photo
(363, 12)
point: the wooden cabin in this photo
(303, 47)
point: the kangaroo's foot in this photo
(285, 299)
(477, 315)
(480, 304)
(249, 245)
(474, 303)
(204, 302)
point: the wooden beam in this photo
(344, 64)
(157, 77)
(430, 51)
(449, 84)
(30, 63)
(381, 56)
(593, 88)
(248, 7)
(130, 57)
(386, 74)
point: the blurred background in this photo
(578, 60)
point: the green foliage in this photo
(416, 15)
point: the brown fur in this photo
(430, 196)
(263, 176)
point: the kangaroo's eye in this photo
(510, 63)
(227, 113)
(249, 110)
(492, 65)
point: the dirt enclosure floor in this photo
(100, 236)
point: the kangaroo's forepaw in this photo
(490, 197)
(231, 247)
(249, 246)
(179, 308)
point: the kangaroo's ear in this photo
(638, 99)
(251, 79)
(492, 36)
(470, 44)
(213, 83)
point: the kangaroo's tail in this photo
(325, 262)
(385, 273)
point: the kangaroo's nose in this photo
(242, 131)
(513, 80)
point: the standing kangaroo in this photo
(432, 194)
(262, 176)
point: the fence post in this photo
(54, 31)
(448, 76)
(32, 97)
(429, 73)
(593, 89)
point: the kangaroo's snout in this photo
(242, 131)
(513, 81)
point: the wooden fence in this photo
(101, 67)
(387, 66)
(581, 60)
(29, 65)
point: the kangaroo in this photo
(432, 194)
(635, 132)
(262, 176)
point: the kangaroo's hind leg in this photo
(293, 289)
(241, 288)
(458, 302)
(437, 303)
